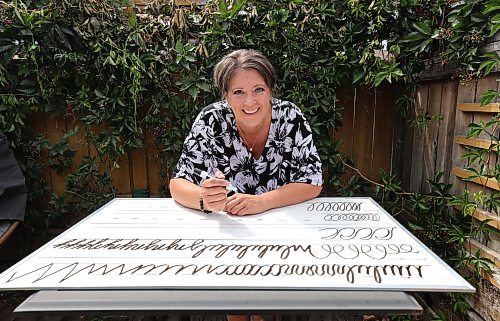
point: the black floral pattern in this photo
(214, 143)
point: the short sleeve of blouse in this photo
(306, 163)
(195, 151)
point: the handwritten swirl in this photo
(333, 206)
(352, 217)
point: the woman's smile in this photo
(251, 112)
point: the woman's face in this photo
(249, 98)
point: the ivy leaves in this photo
(124, 70)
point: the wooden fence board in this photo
(431, 135)
(347, 99)
(121, 176)
(363, 131)
(475, 142)
(369, 143)
(486, 252)
(384, 117)
(56, 128)
(402, 144)
(421, 102)
(154, 175)
(480, 180)
(482, 215)
(466, 93)
(139, 165)
(493, 279)
(494, 242)
(446, 128)
(485, 215)
(476, 107)
(409, 168)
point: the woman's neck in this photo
(255, 137)
(252, 131)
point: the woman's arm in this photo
(213, 191)
(293, 193)
(185, 192)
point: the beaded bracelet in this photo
(202, 207)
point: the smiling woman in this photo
(250, 100)
(261, 145)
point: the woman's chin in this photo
(252, 121)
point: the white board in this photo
(325, 243)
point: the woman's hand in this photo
(214, 192)
(245, 204)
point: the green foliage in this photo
(100, 64)
(115, 72)
(441, 316)
(481, 163)
(460, 303)
(445, 230)
(117, 75)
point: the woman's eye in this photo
(259, 89)
(238, 92)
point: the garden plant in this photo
(120, 73)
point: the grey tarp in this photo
(12, 186)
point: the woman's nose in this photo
(249, 99)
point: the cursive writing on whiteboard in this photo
(64, 272)
(362, 233)
(353, 217)
(197, 247)
(334, 206)
(373, 251)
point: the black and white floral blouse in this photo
(214, 143)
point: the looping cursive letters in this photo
(64, 272)
(195, 248)
(362, 233)
(353, 217)
(372, 251)
(334, 206)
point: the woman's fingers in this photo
(231, 203)
(214, 182)
(216, 205)
(245, 204)
(214, 197)
(234, 208)
(214, 192)
(215, 202)
(211, 191)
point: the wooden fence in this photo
(367, 137)
(368, 128)
(441, 147)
